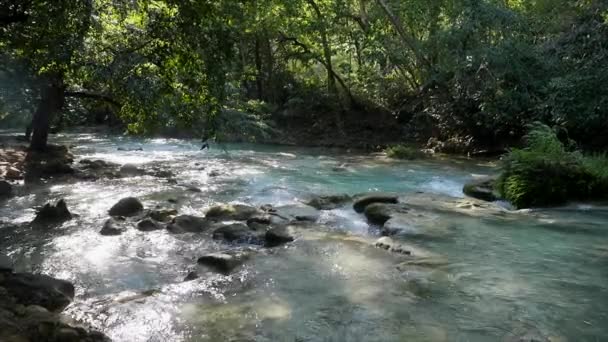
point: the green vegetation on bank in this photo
(404, 152)
(546, 172)
(471, 73)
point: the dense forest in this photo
(466, 74)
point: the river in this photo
(529, 274)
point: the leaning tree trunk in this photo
(50, 103)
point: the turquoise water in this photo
(534, 274)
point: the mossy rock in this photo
(482, 189)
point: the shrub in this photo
(545, 173)
(404, 152)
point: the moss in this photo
(404, 152)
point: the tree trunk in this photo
(51, 102)
(259, 78)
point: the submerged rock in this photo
(279, 235)
(188, 224)
(232, 212)
(38, 289)
(148, 225)
(6, 189)
(482, 189)
(224, 262)
(130, 149)
(238, 233)
(364, 200)
(329, 202)
(129, 170)
(414, 225)
(113, 226)
(129, 206)
(379, 213)
(297, 212)
(53, 214)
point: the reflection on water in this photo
(539, 274)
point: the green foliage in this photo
(545, 173)
(404, 152)
(474, 71)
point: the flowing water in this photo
(538, 275)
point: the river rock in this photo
(329, 202)
(260, 222)
(6, 265)
(224, 262)
(13, 173)
(379, 213)
(232, 212)
(163, 215)
(482, 189)
(364, 200)
(6, 189)
(163, 174)
(279, 235)
(113, 226)
(129, 206)
(412, 255)
(39, 289)
(96, 164)
(53, 214)
(130, 170)
(192, 275)
(188, 224)
(297, 212)
(148, 225)
(238, 233)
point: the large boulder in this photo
(297, 212)
(364, 200)
(129, 206)
(188, 224)
(38, 289)
(53, 214)
(482, 189)
(329, 202)
(148, 225)
(113, 226)
(238, 233)
(279, 235)
(379, 213)
(6, 189)
(224, 262)
(232, 212)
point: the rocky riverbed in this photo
(154, 241)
